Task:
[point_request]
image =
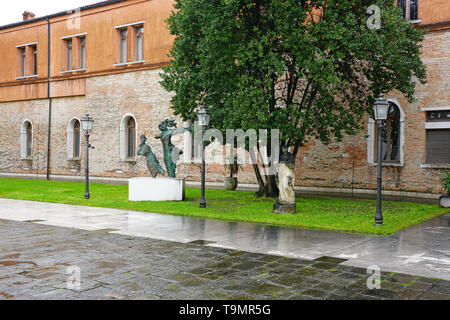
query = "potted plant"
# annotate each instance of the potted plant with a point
(445, 200)
(232, 166)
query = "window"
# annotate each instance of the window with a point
(131, 138)
(69, 54)
(26, 140)
(393, 137)
(123, 45)
(74, 48)
(74, 139)
(130, 44)
(390, 136)
(438, 137)
(27, 61)
(439, 115)
(34, 50)
(410, 9)
(23, 62)
(128, 138)
(29, 140)
(139, 43)
(83, 52)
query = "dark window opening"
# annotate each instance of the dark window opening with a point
(438, 115)
(131, 138)
(34, 50)
(29, 140)
(390, 136)
(76, 139)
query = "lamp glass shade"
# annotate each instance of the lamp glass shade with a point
(204, 117)
(381, 108)
(87, 123)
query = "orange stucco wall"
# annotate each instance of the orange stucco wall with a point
(101, 47)
(434, 11)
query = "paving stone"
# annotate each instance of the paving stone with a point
(116, 267)
(434, 296)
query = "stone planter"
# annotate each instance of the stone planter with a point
(444, 201)
(230, 183)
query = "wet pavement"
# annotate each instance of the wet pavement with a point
(422, 250)
(45, 262)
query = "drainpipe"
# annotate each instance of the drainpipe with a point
(49, 100)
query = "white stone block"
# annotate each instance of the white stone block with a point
(158, 189)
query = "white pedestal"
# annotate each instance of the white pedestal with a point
(158, 189)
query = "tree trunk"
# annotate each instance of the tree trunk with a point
(271, 190)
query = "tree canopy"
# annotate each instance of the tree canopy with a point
(311, 68)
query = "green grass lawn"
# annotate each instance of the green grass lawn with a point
(316, 212)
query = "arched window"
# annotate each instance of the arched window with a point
(131, 138)
(26, 140)
(74, 139)
(393, 137)
(128, 138)
(390, 136)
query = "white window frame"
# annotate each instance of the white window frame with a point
(23, 62)
(83, 42)
(23, 140)
(69, 54)
(124, 141)
(371, 140)
(34, 60)
(139, 43)
(70, 139)
(123, 45)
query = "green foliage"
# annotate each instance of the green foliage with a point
(446, 180)
(309, 68)
(319, 212)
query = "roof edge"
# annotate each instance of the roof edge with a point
(62, 13)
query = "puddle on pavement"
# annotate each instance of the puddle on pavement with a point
(202, 242)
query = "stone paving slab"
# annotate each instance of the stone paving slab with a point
(422, 250)
(34, 261)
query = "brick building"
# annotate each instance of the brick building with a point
(105, 59)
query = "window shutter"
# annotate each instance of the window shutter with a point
(438, 146)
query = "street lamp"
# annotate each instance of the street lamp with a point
(87, 123)
(380, 109)
(203, 118)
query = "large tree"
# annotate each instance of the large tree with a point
(311, 68)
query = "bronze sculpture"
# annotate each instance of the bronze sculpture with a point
(169, 149)
(152, 163)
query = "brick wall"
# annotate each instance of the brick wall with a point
(108, 98)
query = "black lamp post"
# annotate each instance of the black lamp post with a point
(380, 109)
(87, 124)
(203, 118)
